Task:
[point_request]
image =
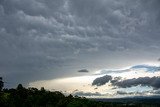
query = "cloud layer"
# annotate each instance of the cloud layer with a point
(42, 39)
(143, 81)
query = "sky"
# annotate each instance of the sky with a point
(89, 48)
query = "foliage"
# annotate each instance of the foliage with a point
(32, 97)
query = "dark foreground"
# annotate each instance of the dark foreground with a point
(32, 97)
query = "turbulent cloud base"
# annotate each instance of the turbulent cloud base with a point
(49, 39)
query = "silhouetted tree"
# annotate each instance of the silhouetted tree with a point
(20, 87)
(1, 84)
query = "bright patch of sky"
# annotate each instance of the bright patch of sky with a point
(73, 85)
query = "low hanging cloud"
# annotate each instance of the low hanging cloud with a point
(127, 83)
(102, 80)
(121, 93)
(132, 93)
(81, 93)
(143, 81)
(83, 70)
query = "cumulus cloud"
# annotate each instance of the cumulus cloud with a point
(116, 79)
(102, 80)
(143, 81)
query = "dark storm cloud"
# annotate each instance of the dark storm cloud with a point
(41, 39)
(143, 81)
(105, 79)
(102, 80)
(83, 70)
(121, 93)
(116, 79)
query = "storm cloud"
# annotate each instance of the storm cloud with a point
(102, 80)
(143, 81)
(46, 39)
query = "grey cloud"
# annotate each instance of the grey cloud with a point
(152, 92)
(108, 71)
(102, 80)
(83, 70)
(29, 41)
(121, 92)
(145, 67)
(116, 79)
(132, 93)
(105, 79)
(144, 81)
(155, 92)
(42, 39)
(38, 38)
(81, 93)
(117, 18)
